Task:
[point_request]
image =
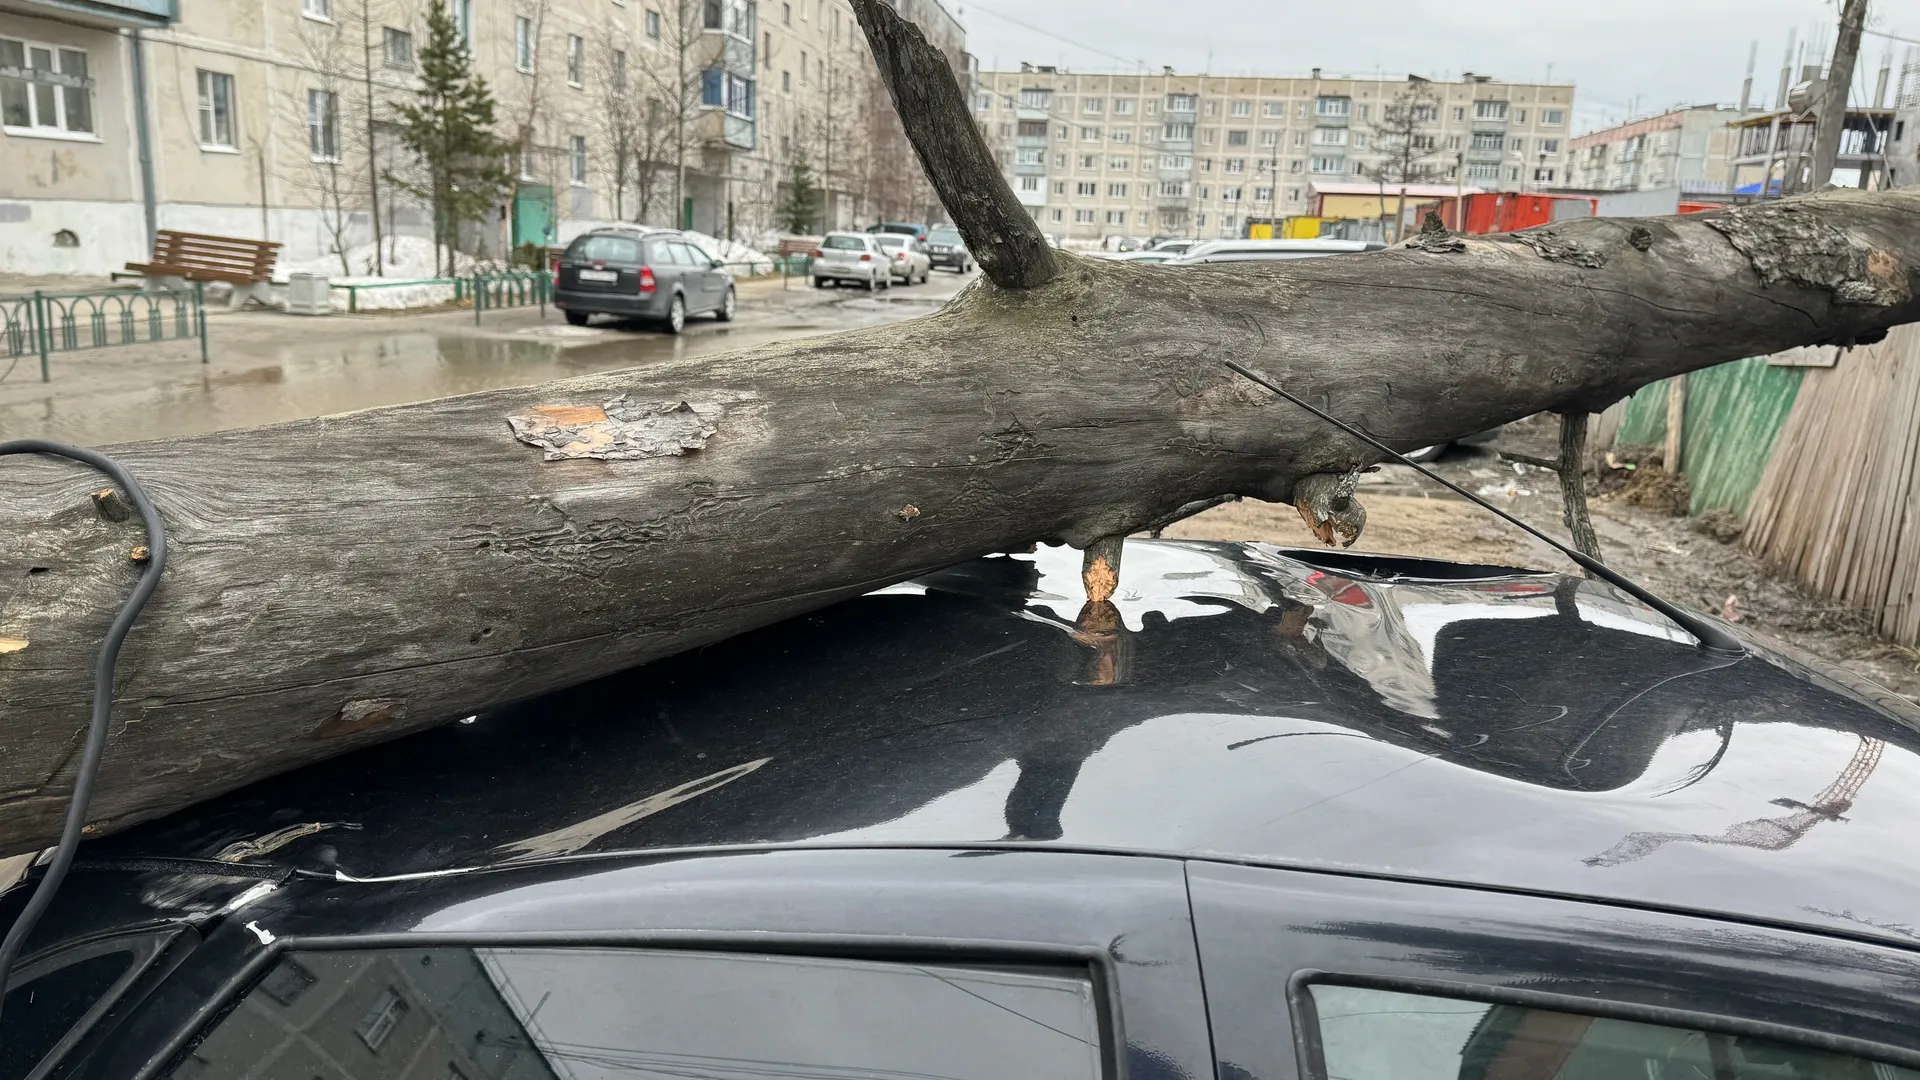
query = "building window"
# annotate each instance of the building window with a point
(1116, 217)
(1329, 136)
(1146, 218)
(1083, 217)
(1236, 138)
(786, 84)
(1119, 164)
(1089, 161)
(1059, 187)
(1552, 117)
(1549, 146)
(1176, 161)
(1235, 164)
(1205, 192)
(1459, 113)
(381, 1019)
(317, 9)
(1177, 133)
(463, 15)
(1200, 221)
(1242, 108)
(1086, 187)
(1483, 172)
(1059, 161)
(1059, 214)
(1093, 106)
(620, 70)
(54, 92)
(1489, 110)
(1453, 142)
(1299, 138)
(1426, 113)
(216, 109)
(1213, 108)
(1089, 134)
(1173, 189)
(1359, 168)
(1263, 194)
(576, 60)
(1328, 165)
(323, 125)
(1273, 108)
(1519, 116)
(1296, 165)
(1030, 184)
(1484, 140)
(526, 163)
(1036, 99)
(1123, 107)
(1030, 155)
(1206, 164)
(1116, 191)
(397, 48)
(1181, 103)
(577, 159)
(522, 43)
(1333, 106)
(786, 14)
(1359, 140)
(1122, 136)
(1543, 176)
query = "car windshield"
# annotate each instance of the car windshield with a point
(844, 243)
(623, 249)
(890, 241)
(945, 236)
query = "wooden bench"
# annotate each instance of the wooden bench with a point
(180, 257)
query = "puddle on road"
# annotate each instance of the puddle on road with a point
(157, 399)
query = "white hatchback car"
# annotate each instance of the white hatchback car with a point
(854, 257)
(911, 260)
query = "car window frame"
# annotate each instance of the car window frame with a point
(156, 949)
(1266, 933)
(1312, 1059)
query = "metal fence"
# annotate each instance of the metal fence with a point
(45, 323)
(520, 288)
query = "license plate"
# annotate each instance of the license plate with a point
(599, 275)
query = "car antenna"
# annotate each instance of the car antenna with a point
(1712, 638)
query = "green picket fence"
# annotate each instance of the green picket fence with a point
(517, 288)
(45, 323)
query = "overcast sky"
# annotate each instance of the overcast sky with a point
(1623, 56)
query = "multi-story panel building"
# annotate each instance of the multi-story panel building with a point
(273, 118)
(1099, 155)
(1685, 148)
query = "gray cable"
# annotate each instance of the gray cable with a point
(97, 726)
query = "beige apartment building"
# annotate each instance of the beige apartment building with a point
(271, 118)
(1685, 148)
(1102, 155)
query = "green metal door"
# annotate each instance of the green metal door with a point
(533, 215)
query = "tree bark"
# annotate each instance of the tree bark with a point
(339, 581)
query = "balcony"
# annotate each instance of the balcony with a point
(1485, 154)
(107, 13)
(1025, 113)
(1489, 123)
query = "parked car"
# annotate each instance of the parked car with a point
(655, 274)
(1150, 257)
(851, 256)
(1277, 813)
(908, 257)
(905, 228)
(1220, 251)
(946, 247)
(1176, 246)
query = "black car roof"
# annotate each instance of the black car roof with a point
(1359, 715)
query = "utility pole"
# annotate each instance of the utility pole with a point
(373, 148)
(1832, 118)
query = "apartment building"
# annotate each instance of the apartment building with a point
(272, 118)
(1094, 155)
(1685, 148)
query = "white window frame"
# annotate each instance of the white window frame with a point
(1030, 184)
(523, 50)
(653, 25)
(59, 84)
(1552, 117)
(1119, 164)
(317, 10)
(323, 127)
(210, 108)
(1123, 107)
(1116, 191)
(577, 160)
(576, 61)
(1116, 217)
(1086, 188)
(1235, 165)
(1083, 217)
(1093, 106)
(1333, 106)
(388, 34)
(1489, 109)
(1241, 108)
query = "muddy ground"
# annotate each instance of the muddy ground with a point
(1677, 557)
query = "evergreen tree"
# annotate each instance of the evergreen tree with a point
(800, 202)
(448, 127)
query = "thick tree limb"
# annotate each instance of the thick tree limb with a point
(939, 122)
(1573, 483)
(340, 581)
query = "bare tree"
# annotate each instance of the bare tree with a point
(1403, 137)
(633, 132)
(673, 72)
(333, 173)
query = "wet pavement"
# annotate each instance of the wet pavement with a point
(267, 367)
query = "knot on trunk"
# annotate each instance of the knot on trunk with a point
(1327, 504)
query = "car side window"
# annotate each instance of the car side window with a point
(1370, 1034)
(600, 1013)
(688, 254)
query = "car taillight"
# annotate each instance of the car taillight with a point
(901, 255)
(818, 254)
(556, 264)
(646, 279)
(866, 258)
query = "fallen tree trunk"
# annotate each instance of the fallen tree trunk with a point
(344, 580)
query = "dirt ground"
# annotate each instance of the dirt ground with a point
(1676, 557)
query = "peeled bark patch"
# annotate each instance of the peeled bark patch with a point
(617, 431)
(1795, 242)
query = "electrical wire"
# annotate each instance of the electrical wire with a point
(97, 725)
